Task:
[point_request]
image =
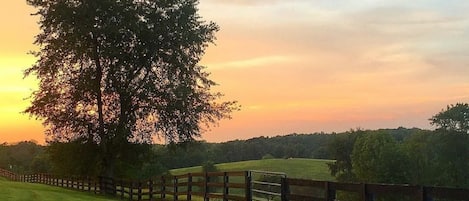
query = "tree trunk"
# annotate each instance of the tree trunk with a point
(107, 163)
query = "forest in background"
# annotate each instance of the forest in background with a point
(437, 157)
(29, 157)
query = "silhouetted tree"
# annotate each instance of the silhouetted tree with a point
(450, 145)
(120, 72)
(455, 118)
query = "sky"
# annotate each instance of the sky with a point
(297, 66)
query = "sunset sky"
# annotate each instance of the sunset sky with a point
(299, 66)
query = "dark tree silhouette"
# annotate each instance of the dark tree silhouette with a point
(119, 72)
(454, 119)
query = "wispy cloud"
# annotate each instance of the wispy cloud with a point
(254, 62)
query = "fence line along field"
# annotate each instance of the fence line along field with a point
(235, 186)
(316, 169)
(187, 187)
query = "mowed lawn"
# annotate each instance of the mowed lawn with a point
(315, 169)
(18, 191)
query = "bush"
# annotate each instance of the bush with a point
(267, 156)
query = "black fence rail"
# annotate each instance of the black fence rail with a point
(300, 189)
(206, 186)
(8, 175)
(209, 185)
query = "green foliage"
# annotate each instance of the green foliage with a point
(267, 156)
(64, 155)
(147, 161)
(439, 159)
(195, 153)
(120, 72)
(450, 151)
(421, 153)
(149, 165)
(377, 158)
(340, 148)
(454, 119)
(41, 163)
(25, 157)
(419, 157)
(209, 166)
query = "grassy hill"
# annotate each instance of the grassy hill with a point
(294, 168)
(16, 191)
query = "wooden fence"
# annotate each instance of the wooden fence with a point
(220, 185)
(210, 185)
(294, 190)
(236, 186)
(8, 175)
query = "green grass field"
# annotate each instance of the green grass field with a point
(294, 168)
(17, 191)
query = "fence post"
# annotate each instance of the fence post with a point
(247, 180)
(226, 191)
(122, 188)
(101, 185)
(74, 180)
(150, 189)
(80, 183)
(89, 183)
(163, 188)
(207, 179)
(95, 185)
(284, 189)
(189, 187)
(366, 196)
(131, 190)
(330, 193)
(139, 191)
(423, 194)
(175, 185)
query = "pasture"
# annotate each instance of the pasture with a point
(19, 191)
(294, 168)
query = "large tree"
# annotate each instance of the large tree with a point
(377, 158)
(114, 72)
(340, 148)
(450, 144)
(454, 119)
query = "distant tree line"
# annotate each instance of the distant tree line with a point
(417, 157)
(59, 158)
(24, 158)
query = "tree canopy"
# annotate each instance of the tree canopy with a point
(455, 118)
(413, 156)
(118, 72)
